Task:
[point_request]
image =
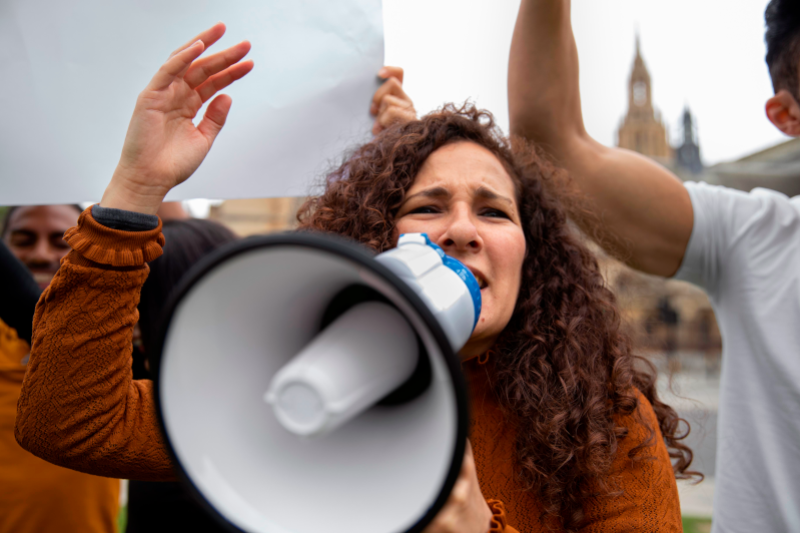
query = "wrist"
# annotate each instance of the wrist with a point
(123, 193)
(488, 518)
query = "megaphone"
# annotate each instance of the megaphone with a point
(304, 385)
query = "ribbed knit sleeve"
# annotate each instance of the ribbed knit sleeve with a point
(499, 524)
(109, 247)
(80, 407)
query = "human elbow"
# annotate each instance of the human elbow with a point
(39, 432)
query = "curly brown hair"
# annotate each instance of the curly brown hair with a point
(562, 368)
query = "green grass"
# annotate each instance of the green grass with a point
(693, 524)
(122, 519)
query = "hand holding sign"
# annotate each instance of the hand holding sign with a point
(390, 103)
(163, 147)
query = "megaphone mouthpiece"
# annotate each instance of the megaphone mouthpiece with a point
(448, 287)
(361, 357)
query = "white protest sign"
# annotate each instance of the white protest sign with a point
(452, 51)
(71, 72)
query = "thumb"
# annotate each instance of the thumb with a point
(214, 118)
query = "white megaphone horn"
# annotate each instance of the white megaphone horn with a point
(301, 380)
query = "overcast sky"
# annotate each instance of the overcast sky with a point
(708, 54)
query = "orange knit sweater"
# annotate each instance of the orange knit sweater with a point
(80, 407)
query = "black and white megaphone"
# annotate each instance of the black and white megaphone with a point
(305, 385)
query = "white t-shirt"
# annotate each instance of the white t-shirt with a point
(745, 252)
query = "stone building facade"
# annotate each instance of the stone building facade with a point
(257, 216)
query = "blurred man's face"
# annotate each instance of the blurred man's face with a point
(35, 235)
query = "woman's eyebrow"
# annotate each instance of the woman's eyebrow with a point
(487, 194)
(433, 192)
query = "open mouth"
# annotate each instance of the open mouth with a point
(479, 277)
(43, 279)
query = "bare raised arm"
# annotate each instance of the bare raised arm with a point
(644, 211)
(163, 147)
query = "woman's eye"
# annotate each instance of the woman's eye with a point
(495, 213)
(22, 241)
(59, 243)
(425, 210)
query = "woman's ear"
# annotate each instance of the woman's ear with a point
(783, 111)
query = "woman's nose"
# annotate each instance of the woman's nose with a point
(42, 253)
(461, 234)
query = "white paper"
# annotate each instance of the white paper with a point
(452, 51)
(71, 71)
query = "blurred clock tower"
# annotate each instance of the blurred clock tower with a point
(642, 129)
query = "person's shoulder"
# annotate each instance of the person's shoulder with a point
(642, 463)
(643, 492)
(703, 192)
(643, 438)
(13, 350)
(758, 220)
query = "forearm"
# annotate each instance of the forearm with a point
(543, 92)
(637, 210)
(79, 406)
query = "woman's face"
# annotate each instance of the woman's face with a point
(465, 201)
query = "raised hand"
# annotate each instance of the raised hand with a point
(466, 511)
(163, 147)
(390, 104)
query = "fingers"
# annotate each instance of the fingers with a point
(175, 65)
(389, 102)
(219, 81)
(209, 37)
(181, 59)
(393, 110)
(215, 117)
(392, 86)
(204, 68)
(391, 72)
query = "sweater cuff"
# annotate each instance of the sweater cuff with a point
(114, 247)
(498, 523)
(124, 220)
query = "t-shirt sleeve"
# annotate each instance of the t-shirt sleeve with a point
(732, 231)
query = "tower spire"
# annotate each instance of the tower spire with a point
(642, 129)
